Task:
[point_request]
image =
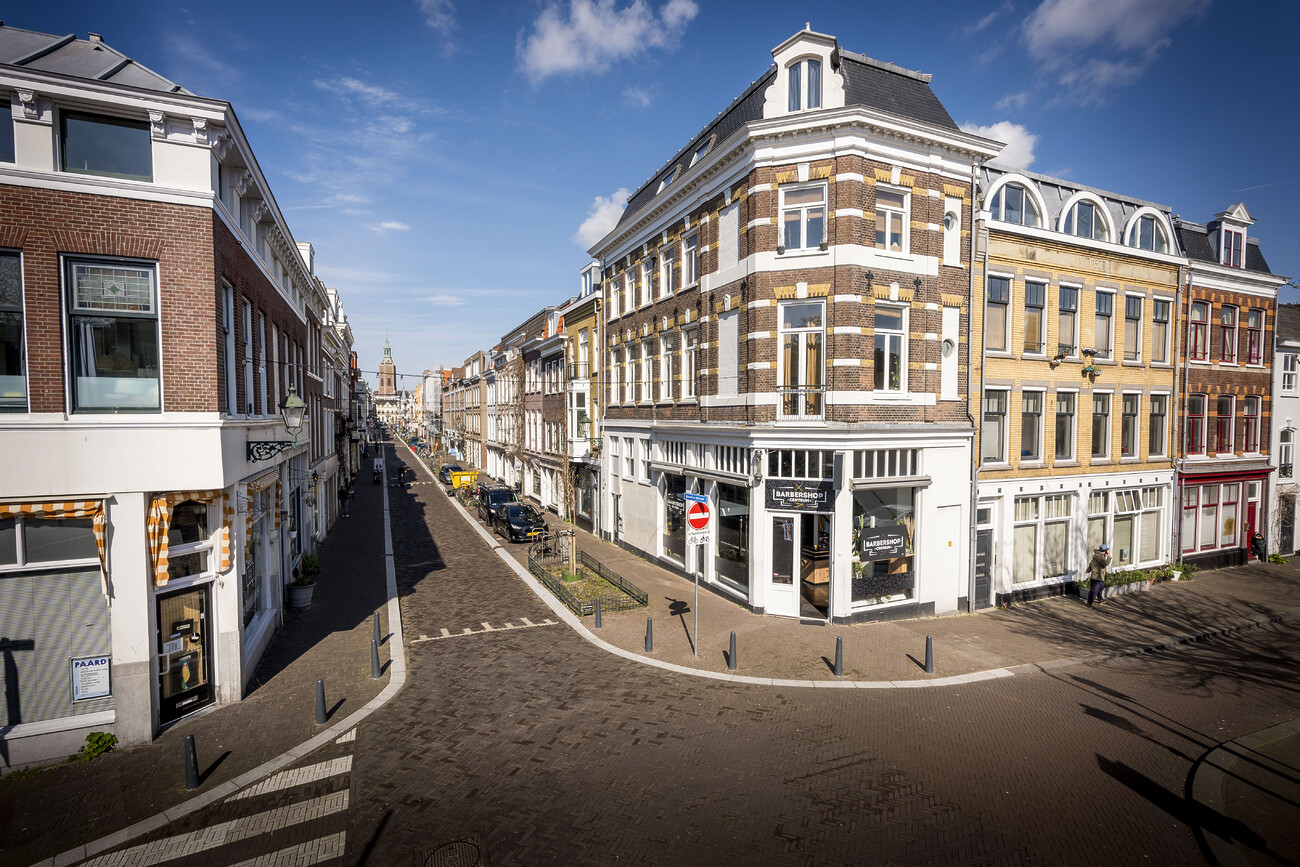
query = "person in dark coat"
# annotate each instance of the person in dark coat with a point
(343, 500)
(1097, 567)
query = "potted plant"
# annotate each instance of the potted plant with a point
(304, 581)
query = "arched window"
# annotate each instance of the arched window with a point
(1146, 233)
(1084, 219)
(805, 84)
(1013, 204)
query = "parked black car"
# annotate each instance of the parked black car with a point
(519, 522)
(447, 470)
(491, 498)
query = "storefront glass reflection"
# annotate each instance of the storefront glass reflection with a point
(675, 517)
(732, 556)
(884, 526)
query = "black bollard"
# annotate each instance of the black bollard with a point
(379, 639)
(929, 655)
(649, 635)
(731, 657)
(191, 764)
(320, 702)
(839, 656)
(597, 612)
(374, 658)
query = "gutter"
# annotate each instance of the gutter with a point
(972, 541)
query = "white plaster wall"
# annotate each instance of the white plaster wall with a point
(182, 166)
(131, 620)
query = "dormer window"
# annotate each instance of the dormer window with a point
(809, 73)
(1084, 221)
(702, 150)
(669, 178)
(1232, 241)
(1147, 234)
(1012, 204)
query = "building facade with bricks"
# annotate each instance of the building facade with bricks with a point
(156, 313)
(786, 311)
(1229, 308)
(1284, 416)
(1074, 370)
(582, 323)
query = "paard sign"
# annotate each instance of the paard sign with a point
(790, 496)
(880, 543)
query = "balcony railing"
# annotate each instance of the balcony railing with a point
(1284, 471)
(579, 370)
(802, 402)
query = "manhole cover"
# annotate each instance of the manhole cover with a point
(457, 853)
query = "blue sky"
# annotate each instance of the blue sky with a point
(449, 160)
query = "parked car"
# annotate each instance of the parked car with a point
(491, 498)
(519, 522)
(447, 470)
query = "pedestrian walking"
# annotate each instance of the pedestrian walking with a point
(343, 500)
(1097, 567)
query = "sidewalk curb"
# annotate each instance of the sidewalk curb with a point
(955, 680)
(396, 680)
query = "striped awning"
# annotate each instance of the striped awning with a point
(158, 524)
(264, 481)
(93, 509)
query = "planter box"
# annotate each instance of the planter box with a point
(300, 595)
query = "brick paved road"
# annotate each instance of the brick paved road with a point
(548, 750)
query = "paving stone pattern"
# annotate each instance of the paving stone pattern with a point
(552, 751)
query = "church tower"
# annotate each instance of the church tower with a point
(387, 373)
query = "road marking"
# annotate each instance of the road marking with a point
(314, 852)
(347, 738)
(487, 627)
(297, 777)
(270, 822)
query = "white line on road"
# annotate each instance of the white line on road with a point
(297, 777)
(185, 845)
(487, 627)
(314, 852)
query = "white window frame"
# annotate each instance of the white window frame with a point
(892, 213)
(1005, 348)
(647, 272)
(1232, 255)
(1136, 417)
(1106, 429)
(1160, 349)
(1134, 353)
(1218, 424)
(647, 371)
(1041, 336)
(1029, 205)
(805, 385)
(802, 93)
(629, 370)
(690, 345)
(1110, 325)
(1073, 343)
(690, 259)
(1041, 396)
(1290, 372)
(666, 367)
(1235, 343)
(1072, 433)
(666, 287)
(1001, 457)
(899, 334)
(803, 211)
(1164, 426)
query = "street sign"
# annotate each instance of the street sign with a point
(698, 519)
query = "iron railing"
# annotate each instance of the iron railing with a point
(550, 555)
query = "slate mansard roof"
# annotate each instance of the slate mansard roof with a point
(1194, 238)
(90, 59)
(867, 82)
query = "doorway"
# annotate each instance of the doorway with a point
(983, 557)
(801, 566)
(184, 653)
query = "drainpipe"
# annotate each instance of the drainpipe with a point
(975, 444)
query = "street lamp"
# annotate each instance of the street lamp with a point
(292, 410)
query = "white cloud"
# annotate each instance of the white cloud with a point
(637, 97)
(1019, 150)
(390, 226)
(1013, 100)
(440, 15)
(356, 87)
(446, 300)
(602, 217)
(981, 23)
(595, 34)
(1097, 46)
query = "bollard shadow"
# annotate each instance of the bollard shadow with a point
(919, 663)
(830, 664)
(211, 769)
(329, 714)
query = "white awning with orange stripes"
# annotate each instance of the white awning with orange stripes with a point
(159, 521)
(93, 509)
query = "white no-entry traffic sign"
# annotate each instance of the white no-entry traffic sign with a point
(698, 519)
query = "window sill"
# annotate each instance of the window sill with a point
(1134, 363)
(1228, 364)
(1066, 463)
(802, 253)
(1132, 459)
(900, 255)
(1032, 465)
(1102, 462)
(995, 465)
(998, 353)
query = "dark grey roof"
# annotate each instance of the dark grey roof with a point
(1194, 238)
(888, 88)
(1287, 326)
(743, 109)
(89, 58)
(867, 82)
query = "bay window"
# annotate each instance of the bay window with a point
(113, 324)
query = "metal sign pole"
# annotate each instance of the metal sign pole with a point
(697, 538)
(695, 642)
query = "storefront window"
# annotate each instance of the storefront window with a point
(884, 526)
(254, 578)
(731, 559)
(675, 517)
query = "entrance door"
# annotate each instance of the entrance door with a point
(983, 567)
(184, 653)
(783, 592)
(1250, 531)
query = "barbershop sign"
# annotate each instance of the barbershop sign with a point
(787, 496)
(879, 543)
